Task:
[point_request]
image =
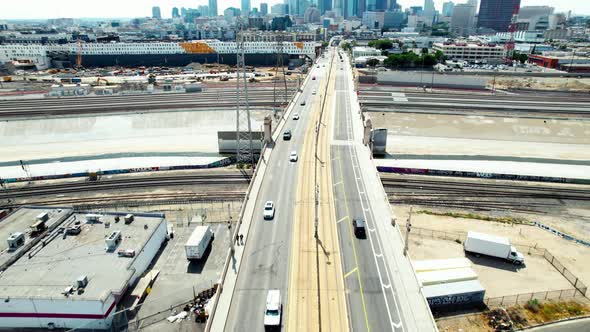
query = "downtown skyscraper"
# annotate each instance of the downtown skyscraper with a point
(497, 14)
(246, 7)
(212, 8)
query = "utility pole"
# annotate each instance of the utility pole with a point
(408, 229)
(245, 149)
(494, 85)
(279, 68)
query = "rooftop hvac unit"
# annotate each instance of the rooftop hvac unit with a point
(73, 230)
(126, 253)
(93, 217)
(38, 226)
(82, 281)
(113, 240)
(128, 219)
(44, 216)
(68, 290)
(15, 240)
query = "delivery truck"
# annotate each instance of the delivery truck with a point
(198, 242)
(494, 246)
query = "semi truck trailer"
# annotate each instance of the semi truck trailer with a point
(198, 242)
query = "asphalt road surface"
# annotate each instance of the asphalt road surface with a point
(370, 293)
(265, 262)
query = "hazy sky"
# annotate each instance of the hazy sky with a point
(34, 9)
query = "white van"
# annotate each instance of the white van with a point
(272, 314)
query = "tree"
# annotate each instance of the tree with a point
(520, 57)
(440, 56)
(429, 60)
(381, 44)
(372, 62)
(345, 46)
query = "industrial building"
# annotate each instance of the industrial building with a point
(561, 61)
(488, 53)
(74, 271)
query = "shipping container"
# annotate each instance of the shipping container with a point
(441, 264)
(464, 293)
(446, 276)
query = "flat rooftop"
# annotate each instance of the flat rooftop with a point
(21, 220)
(46, 271)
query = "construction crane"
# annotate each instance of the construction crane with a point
(509, 46)
(79, 55)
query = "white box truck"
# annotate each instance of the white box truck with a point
(491, 245)
(198, 242)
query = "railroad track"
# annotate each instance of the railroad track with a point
(134, 200)
(477, 194)
(134, 103)
(488, 189)
(125, 183)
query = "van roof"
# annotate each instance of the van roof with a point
(273, 299)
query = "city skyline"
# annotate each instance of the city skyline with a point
(139, 8)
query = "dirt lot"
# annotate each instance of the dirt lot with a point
(543, 83)
(538, 275)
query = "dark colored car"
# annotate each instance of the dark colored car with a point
(287, 135)
(359, 228)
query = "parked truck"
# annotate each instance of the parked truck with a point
(491, 245)
(198, 242)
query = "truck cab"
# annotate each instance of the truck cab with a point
(515, 256)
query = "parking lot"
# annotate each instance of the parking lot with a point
(179, 280)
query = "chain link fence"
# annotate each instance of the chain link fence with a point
(526, 297)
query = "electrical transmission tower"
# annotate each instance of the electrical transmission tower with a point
(245, 150)
(280, 67)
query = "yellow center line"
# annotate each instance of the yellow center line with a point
(358, 271)
(350, 272)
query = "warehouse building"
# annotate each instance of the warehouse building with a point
(76, 273)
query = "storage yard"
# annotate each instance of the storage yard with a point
(441, 236)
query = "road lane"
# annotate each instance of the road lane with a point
(267, 250)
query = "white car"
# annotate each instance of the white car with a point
(296, 116)
(313, 92)
(272, 312)
(269, 210)
(293, 156)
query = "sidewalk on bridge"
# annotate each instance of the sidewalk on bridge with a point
(413, 305)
